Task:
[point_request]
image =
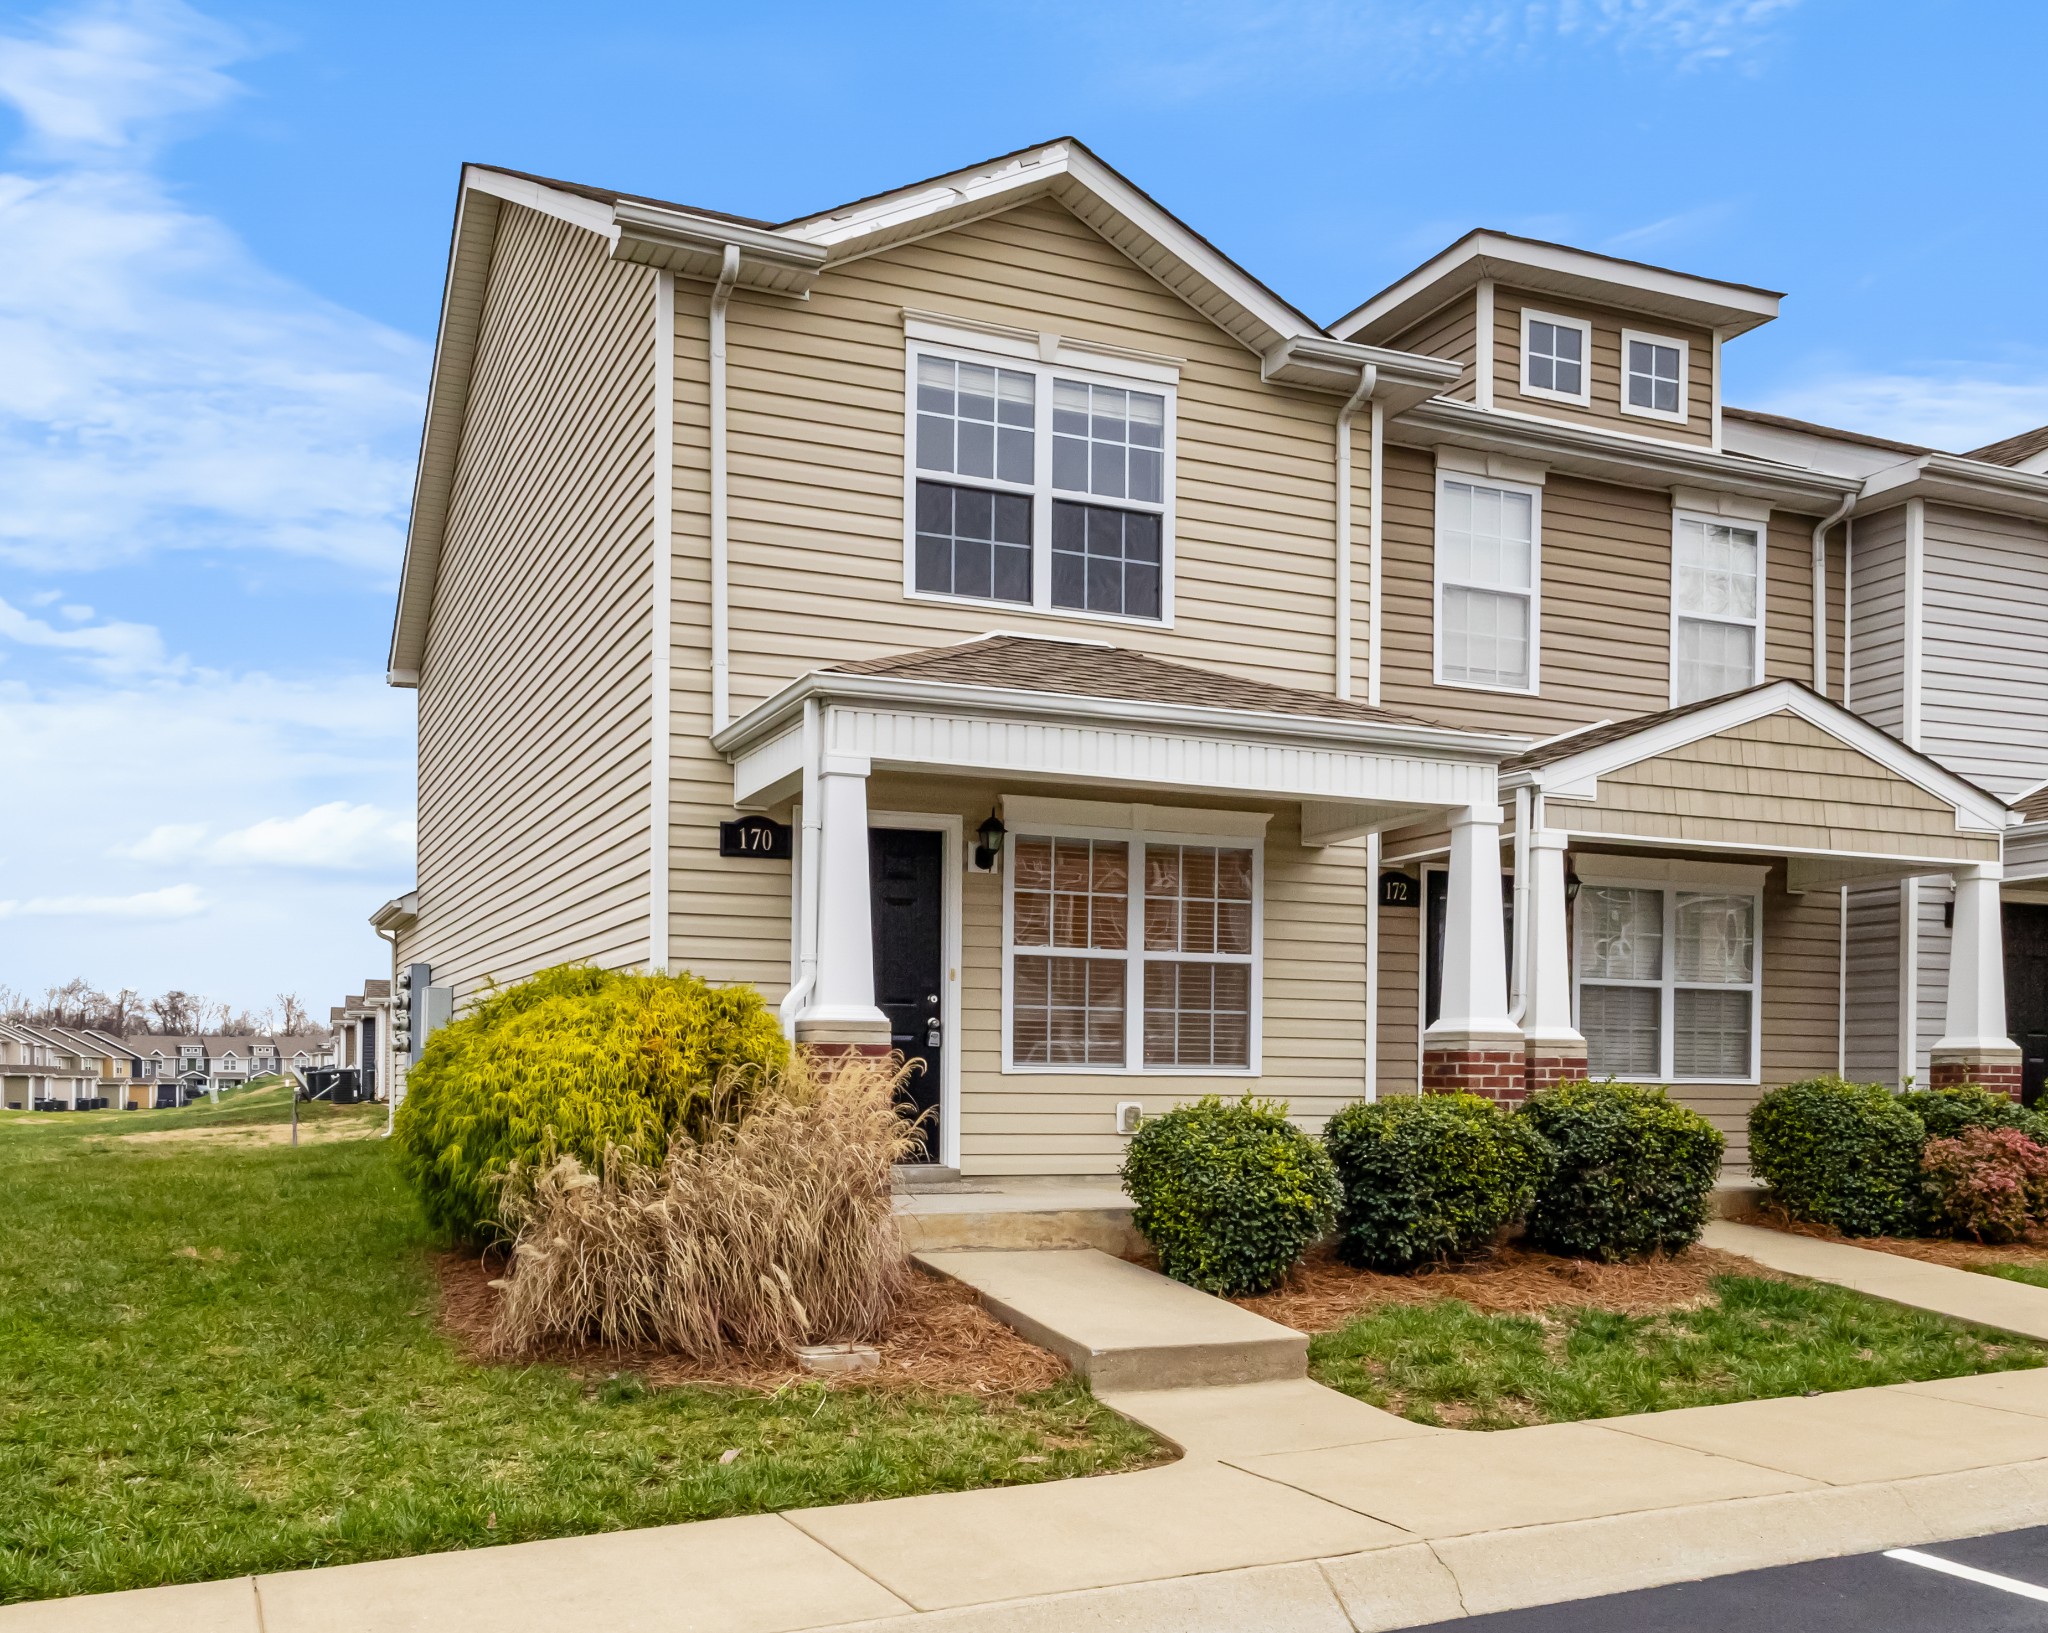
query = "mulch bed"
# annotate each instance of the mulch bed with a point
(1958, 1255)
(941, 1339)
(1322, 1293)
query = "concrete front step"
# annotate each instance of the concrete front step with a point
(1020, 1213)
(1121, 1326)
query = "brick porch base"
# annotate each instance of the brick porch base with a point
(1497, 1073)
(1998, 1073)
(1546, 1070)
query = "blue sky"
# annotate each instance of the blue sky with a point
(223, 229)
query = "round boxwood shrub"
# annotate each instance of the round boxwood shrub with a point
(1228, 1193)
(1628, 1173)
(1841, 1154)
(1428, 1176)
(571, 1062)
(1947, 1112)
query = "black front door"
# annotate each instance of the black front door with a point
(2026, 993)
(907, 867)
(1436, 912)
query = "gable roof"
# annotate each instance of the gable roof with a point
(2013, 450)
(786, 259)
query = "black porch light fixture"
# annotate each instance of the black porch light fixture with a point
(1571, 883)
(988, 842)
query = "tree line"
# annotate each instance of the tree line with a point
(175, 1013)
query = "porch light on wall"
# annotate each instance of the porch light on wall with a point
(1571, 884)
(988, 843)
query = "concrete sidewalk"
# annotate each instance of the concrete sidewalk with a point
(1293, 1508)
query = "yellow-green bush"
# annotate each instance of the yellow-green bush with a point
(569, 1063)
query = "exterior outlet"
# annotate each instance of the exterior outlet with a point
(1129, 1114)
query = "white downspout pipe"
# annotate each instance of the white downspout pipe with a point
(809, 848)
(721, 614)
(1368, 381)
(1372, 696)
(1820, 597)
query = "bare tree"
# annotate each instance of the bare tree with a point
(178, 1013)
(290, 1017)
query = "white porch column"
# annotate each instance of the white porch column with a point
(1556, 1051)
(1974, 1047)
(1472, 1044)
(842, 1011)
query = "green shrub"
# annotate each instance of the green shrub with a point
(1228, 1194)
(1947, 1112)
(569, 1063)
(1428, 1176)
(1841, 1154)
(1629, 1171)
(1989, 1184)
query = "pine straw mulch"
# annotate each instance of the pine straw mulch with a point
(941, 1339)
(1957, 1254)
(1322, 1293)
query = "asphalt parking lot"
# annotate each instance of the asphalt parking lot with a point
(1861, 1592)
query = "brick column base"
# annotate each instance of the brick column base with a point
(1547, 1069)
(1998, 1073)
(1497, 1073)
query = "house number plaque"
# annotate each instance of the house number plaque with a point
(757, 836)
(1399, 890)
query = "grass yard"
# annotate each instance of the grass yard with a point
(2034, 1274)
(219, 1355)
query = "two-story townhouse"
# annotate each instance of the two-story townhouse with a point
(116, 1066)
(992, 622)
(43, 1072)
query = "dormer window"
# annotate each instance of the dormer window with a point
(1556, 357)
(1653, 376)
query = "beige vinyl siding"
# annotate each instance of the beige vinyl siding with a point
(533, 694)
(1779, 783)
(1984, 698)
(1788, 598)
(1838, 609)
(1931, 955)
(1603, 412)
(817, 428)
(1400, 998)
(1451, 331)
(1313, 1017)
(1874, 940)
(1877, 620)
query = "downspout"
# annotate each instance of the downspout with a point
(1820, 596)
(807, 877)
(721, 617)
(1372, 696)
(663, 616)
(1368, 381)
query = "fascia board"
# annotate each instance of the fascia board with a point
(694, 245)
(1318, 363)
(573, 208)
(1573, 776)
(772, 716)
(1952, 480)
(1559, 269)
(1609, 456)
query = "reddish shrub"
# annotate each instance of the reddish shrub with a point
(1987, 1183)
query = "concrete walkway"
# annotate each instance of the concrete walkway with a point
(1292, 1508)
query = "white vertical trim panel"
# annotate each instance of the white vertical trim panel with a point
(662, 623)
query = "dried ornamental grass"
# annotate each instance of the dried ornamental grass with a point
(768, 1230)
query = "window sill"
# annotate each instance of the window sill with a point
(1536, 394)
(990, 604)
(1654, 414)
(1241, 1073)
(1480, 686)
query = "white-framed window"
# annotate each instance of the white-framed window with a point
(1557, 357)
(1488, 577)
(1039, 485)
(1653, 376)
(1131, 951)
(1717, 606)
(1667, 981)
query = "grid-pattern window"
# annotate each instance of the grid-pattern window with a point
(1655, 376)
(1066, 1008)
(1108, 442)
(1105, 560)
(1554, 357)
(973, 542)
(1486, 585)
(1716, 602)
(974, 420)
(1667, 982)
(1198, 901)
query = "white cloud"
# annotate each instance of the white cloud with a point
(113, 648)
(1955, 407)
(171, 902)
(100, 77)
(336, 835)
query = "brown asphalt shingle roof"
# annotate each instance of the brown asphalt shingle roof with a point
(1790, 424)
(2035, 806)
(1611, 731)
(2013, 449)
(1075, 669)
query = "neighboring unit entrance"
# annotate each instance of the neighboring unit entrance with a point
(907, 869)
(2026, 993)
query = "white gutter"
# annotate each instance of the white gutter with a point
(1372, 560)
(721, 614)
(661, 654)
(808, 852)
(1820, 599)
(1368, 379)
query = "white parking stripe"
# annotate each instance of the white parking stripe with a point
(1969, 1573)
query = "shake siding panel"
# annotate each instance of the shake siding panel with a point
(1603, 412)
(533, 692)
(1877, 620)
(1984, 703)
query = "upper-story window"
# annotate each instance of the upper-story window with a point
(1042, 486)
(1487, 600)
(1716, 608)
(1556, 357)
(1653, 370)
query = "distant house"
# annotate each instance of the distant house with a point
(362, 1034)
(178, 1068)
(40, 1072)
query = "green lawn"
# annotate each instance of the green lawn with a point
(2034, 1275)
(218, 1359)
(1448, 1363)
